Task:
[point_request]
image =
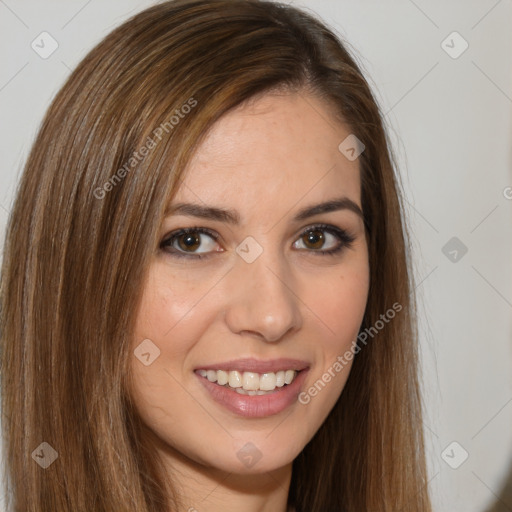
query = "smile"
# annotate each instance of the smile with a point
(253, 388)
(250, 383)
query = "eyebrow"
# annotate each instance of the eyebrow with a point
(233, 217)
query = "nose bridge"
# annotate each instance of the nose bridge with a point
(262, 301)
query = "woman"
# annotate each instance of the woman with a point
(206, 295)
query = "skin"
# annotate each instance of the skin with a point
(267, 160)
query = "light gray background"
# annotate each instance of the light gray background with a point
(450, 123)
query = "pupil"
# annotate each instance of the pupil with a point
(315, 238)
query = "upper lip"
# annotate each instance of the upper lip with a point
(257, 365)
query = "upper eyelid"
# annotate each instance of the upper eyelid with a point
(194, 229)
(215, 234)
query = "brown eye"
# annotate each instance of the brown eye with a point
(189, 241)
(324, 239)
(314, 239)
(193, 242)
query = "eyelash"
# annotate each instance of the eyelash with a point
(345, 238)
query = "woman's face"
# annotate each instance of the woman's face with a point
(247, 299)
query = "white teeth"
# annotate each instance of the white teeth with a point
(250, 383)
(289, 376)
(268, 381)
(235, 379)
(222, 377)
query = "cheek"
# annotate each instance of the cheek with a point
(169, 323)
(340, 305)
(170, 311)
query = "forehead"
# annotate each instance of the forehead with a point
(277, 149)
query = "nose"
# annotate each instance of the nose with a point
(262, 301)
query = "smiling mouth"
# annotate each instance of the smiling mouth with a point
(250, 383)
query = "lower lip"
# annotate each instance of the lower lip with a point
(257, 406)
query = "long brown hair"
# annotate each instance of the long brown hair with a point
(84, 228)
